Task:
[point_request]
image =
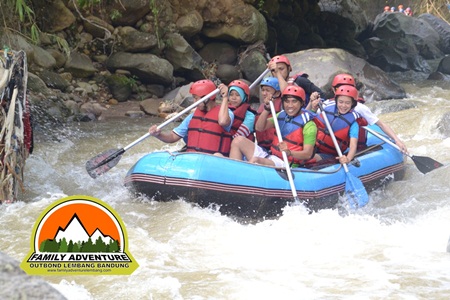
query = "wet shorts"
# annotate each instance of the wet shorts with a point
(261, 152)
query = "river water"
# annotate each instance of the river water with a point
(394, 248)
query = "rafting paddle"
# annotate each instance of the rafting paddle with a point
(103, 162)
(354, 189)
(423, 163)
(285, 158)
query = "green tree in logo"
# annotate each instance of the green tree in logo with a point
(63, 246)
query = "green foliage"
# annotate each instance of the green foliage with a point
(62, 44)
(23, 18)
(260, 4)
(115, 14)
(155, 11)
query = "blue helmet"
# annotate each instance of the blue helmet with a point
(272, 82)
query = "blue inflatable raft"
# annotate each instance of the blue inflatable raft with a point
(245, 190)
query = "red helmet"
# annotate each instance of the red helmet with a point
(282, 59)
(295, 91)
(341, 79)
(386, 8)
(347, 90)
(202, 88)
(243, 86)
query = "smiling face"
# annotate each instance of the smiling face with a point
(292, 105)
(344, 104)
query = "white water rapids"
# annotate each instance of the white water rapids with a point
(394, 248)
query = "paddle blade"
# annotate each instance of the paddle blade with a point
(103, 162)
(355, 191)
(425, 164)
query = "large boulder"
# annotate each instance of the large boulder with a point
(18, 285)
(348, 9)
(401, 43)
(80, 65)
(441, 27)
(130, 11)
(56, 16)
(132, 40)
(323, 64)
(181, 54)
(148, 68)
(237, 21)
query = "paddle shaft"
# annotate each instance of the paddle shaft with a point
(378, 135)
(285, 158)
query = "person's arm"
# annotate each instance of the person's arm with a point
(354, 132)
(309, 86)
(390, 132)
(227, 127)
(272, 66)
(224, 118)
(172, 136)
(345, 159)
(165, 136)
(313, 104)
(263, 122)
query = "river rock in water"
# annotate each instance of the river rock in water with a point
(18, 285)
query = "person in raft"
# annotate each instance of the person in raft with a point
(344, 123)
(235, 97)
(204, 131)
(362, 109)
(297, 130)
(270, 90)
(280, 67)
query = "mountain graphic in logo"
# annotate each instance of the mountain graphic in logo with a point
(79, 227)
(75, 232)
(79, 235)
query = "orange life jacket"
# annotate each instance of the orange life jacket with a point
(206, 135)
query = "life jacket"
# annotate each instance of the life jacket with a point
(362, 136)
(239, 117)
(341, 127)
(206, 135)
(291, 129)
(265, 137)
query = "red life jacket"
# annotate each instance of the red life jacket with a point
(292, 132)
(206, 135)
(362, 136)
(341, 127)
(239, 117)
(265, 137)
